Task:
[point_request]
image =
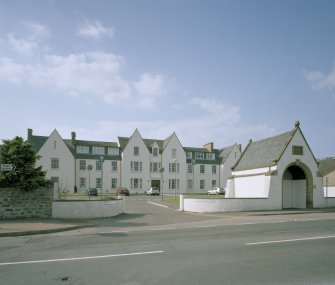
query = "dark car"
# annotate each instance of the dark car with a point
(122, 191)
(92, 192)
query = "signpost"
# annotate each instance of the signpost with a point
(7, 167)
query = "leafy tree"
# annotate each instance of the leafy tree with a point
(26, 175)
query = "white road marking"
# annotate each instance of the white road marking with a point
(156, 204)
(289, 240)
(162, 229)
(208, 226)
(81, 258)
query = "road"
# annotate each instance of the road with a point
(152, 244)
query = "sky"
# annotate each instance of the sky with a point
(210, 70)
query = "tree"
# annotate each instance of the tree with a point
(26, 175)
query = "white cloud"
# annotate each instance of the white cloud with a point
(223, 111)
(319, 80)
(94, 29)
(149, 88)
(36, 30)
(95, 74)
(31, 42)
(89, 74)
(22, 46)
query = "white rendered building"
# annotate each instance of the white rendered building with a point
(134, 163)
(281, 169)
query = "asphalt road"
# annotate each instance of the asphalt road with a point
(155, 245)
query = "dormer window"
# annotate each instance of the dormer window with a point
(155, 151)
(83, 149)
(210, 156)
(98, 150)
(199, 155)
(113, 151)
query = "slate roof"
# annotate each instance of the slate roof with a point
(123, 141)
(225, 152)
(220, 154)
(326, 166)
(37, 142)
(264, 152)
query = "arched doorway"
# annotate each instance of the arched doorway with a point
(297, 187)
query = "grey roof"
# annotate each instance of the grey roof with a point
(264, 152)
(326, 166)
(95, 143)
(37, 142)
(123, 141)
(225, 152)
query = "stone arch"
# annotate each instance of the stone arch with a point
(297, 186)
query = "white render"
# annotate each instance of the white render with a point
(86, 209)
(179, 158)
(269, 182)
(128, 157)
(166, 167)
(55, 147)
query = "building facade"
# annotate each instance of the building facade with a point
(281, 169)
(133, 162)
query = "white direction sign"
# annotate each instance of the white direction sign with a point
(7, 167)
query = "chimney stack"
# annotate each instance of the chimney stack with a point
(73, 138)
(30, 134)
(209, 146)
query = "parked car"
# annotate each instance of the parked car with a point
(216, 191)
(122, 191)
(153, 191)
(92, 192)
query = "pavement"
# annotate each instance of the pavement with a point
(24, 227)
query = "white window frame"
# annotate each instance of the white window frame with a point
(113, 151)
(199, 155)
(82, 149)
(136, 166)
(98, 165)
(54, 163)
(98, 150)
(82, 164)
(114, 165)
(114, 183)
(82, 182)
(98, 183)
(189, 168)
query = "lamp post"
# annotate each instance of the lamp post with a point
(89, 168)
(193, 163)
(161, 171)
(102, 159)
(175, 177)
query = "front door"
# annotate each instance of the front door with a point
(156, 183)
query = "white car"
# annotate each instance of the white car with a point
(216, 191)
(153, 191)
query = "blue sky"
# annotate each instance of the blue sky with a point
(220, 71)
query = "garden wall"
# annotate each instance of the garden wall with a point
(15, 203)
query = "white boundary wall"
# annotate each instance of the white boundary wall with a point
(87, 209)
(226, 205)
(234, 204)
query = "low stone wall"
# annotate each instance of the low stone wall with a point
(15, 203)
